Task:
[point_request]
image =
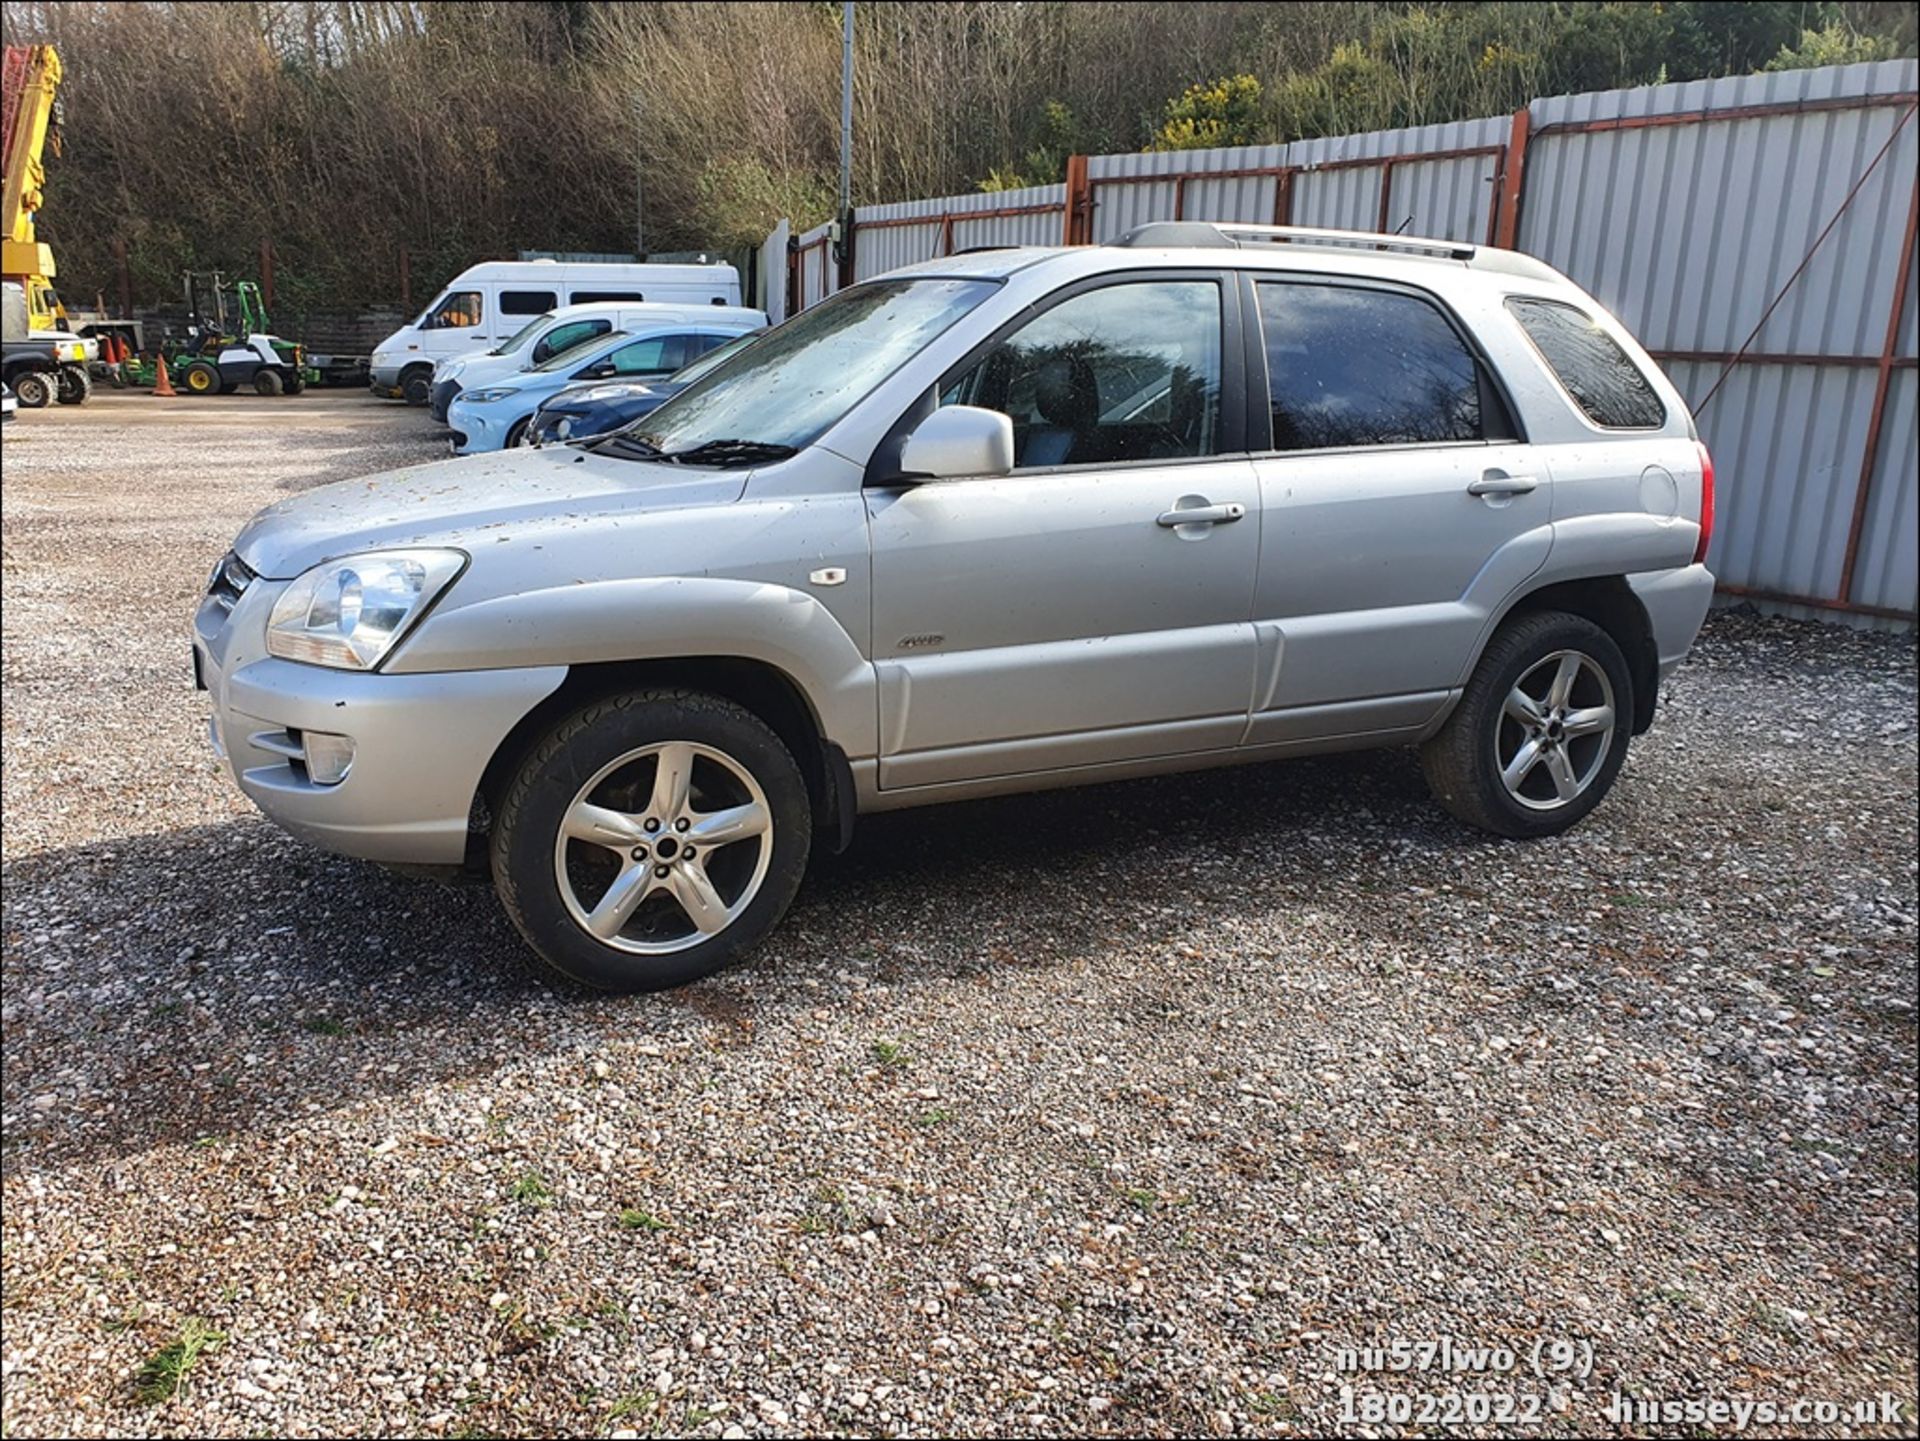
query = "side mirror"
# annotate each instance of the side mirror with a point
(596, 372)
(958, 442)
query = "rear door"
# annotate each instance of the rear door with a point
(1399, 503)
(1064, 615)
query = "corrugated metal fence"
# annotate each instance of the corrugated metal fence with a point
(1756, 233)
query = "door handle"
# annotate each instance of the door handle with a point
(1492, 484)
(1203, 515)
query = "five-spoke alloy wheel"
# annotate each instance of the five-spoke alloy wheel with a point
(1540, 731)
(650, 838)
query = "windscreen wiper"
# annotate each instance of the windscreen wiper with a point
(620, 442)
(732, 452)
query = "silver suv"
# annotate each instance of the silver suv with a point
(991, 523)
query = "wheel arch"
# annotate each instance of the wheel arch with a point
(755, 685)
(1609, 602)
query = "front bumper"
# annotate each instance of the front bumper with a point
(442, 396)
(480, 428)
(421, 742)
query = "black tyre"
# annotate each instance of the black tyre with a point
(268, 382)
(416, 385)
(296, 383)
(1541, 731)
(651, 838)
(517, 433)
(33, 389)
(76, 385)
(200, 377)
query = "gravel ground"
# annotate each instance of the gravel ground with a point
(1115, 1110)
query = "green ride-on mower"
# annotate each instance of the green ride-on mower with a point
(216, 358)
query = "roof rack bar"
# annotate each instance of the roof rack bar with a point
(1207, 233)
(1299, 235)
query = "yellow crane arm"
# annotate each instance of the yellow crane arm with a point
(32, 84)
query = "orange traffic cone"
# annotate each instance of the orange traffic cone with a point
(161, 385)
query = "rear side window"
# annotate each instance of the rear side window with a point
(525, 302)
(588, 297)
(1596, 372)
(565, 337)
(656, 355)
(1348, 366)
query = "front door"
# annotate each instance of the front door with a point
(1094, 605)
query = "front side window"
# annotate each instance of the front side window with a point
(1351, 366)
(521, 336)
(457, 310)
(1126, 372)
(563, 338)
(526, 302)
(577, 355)
(656, 355)
(1590, 364)
(798, 380)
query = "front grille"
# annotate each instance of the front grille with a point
(230, 579)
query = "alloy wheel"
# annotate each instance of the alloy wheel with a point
(663, 848)
(1555, 730)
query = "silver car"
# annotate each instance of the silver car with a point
(991, 523)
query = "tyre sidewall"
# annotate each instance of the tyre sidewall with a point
(34, 390)
(1564, 632)
(550, 778)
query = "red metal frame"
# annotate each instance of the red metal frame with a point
(1888, 360)
(1738, 112)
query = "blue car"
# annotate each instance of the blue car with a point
(499, 415)
(603, 405)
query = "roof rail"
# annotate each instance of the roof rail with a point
(1204, 234)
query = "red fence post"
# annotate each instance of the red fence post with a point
(1877, 417)
(1283, 197)
(1078, 228)
(1513, 169)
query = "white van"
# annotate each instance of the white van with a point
(546, 336)
(488, 303)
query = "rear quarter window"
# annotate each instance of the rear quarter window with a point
(1603, 381)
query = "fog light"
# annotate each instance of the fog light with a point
(329, 757)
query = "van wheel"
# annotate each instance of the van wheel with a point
(33, 390)
(1540, 733)
(416, 386)
(650, 839)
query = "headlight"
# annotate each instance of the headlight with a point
(349, 613)
(481, 397)
(447, 369)
(564, 428)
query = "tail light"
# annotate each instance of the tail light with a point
(1706, 503)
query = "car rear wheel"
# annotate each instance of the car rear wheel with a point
(650, 839)
(1541, 731)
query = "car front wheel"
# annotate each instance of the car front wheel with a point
(1540, 732)
(650, 839)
